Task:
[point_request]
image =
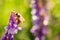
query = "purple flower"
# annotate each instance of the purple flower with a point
(39, 20)
(12, 28)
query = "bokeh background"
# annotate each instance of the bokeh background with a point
(22, 7)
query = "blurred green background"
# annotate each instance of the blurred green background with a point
(22, 7)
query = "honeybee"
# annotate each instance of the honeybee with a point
(19, 18)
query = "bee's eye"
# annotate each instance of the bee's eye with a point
(16, 13)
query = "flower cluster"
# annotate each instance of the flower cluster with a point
(12, 27)
(39, 20)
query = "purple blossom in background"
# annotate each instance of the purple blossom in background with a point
(12, 28)
(39, 20)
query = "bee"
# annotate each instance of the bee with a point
(19, 18)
